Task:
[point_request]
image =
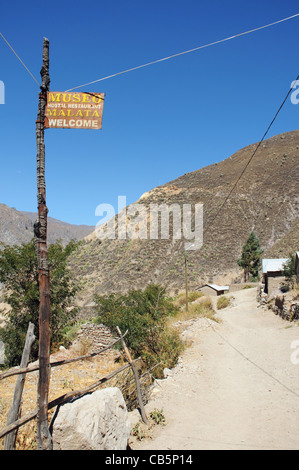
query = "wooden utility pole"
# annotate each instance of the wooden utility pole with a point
(186, 283)
(44, 441)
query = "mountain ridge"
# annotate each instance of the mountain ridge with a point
(265, 200)
(16, 227)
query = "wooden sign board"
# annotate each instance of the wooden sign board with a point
(65, 110)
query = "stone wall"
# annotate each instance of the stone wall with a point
(294, 311)
(286, 310)
(99, 336)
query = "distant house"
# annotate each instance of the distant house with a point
(273, 273)
(213, 289)
(297, 266)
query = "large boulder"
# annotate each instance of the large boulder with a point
(98, 421)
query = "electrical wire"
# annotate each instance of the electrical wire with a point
(184, 52)
(252, 156)
(19, 59)
(252, 362)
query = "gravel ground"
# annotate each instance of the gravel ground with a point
(234, 388)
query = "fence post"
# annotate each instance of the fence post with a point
(15, 410)
(139, 395)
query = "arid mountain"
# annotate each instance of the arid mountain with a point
(287, 245)
(265, 200)
(17, 227)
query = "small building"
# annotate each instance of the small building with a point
(213, 289)
(273, 273)
(297, 266)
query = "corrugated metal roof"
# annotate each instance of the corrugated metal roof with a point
(273, 265)
(218, 288)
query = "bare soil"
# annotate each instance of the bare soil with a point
(234, 388)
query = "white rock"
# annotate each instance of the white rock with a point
(98, 421)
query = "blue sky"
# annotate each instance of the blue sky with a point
(159, 122)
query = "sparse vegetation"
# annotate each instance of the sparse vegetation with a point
(223, 302)
(193, 295)
(181, 298)
(157, 416)
(138, 431)
(202, 308)
(296, 292)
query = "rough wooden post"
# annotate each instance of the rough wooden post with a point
(186, 285)
(139, 395)
(44, 441)
(15, 411)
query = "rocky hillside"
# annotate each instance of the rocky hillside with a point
(17, 227)
(286, 245)
(265, 200)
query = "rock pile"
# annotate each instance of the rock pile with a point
(261, 296)
(286, 310)
(98, 336)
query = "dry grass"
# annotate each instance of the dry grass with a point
(192, 296)
(295, 292)
(223, 302)
(202, 307)
(64, 379)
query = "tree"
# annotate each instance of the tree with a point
(250, 260)
(19, 275)
(289, 270)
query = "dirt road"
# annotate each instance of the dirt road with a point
(235, 387)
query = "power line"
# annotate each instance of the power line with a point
(252, 362)
(19, 58)
(184, 52)
(253, 154)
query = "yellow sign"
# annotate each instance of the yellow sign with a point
(67, 110)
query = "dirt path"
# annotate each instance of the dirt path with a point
(235, 387)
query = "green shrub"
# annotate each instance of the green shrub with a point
(143, 314)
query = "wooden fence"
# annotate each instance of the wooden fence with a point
(15, 420)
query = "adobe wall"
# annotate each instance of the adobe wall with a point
(208, 291)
